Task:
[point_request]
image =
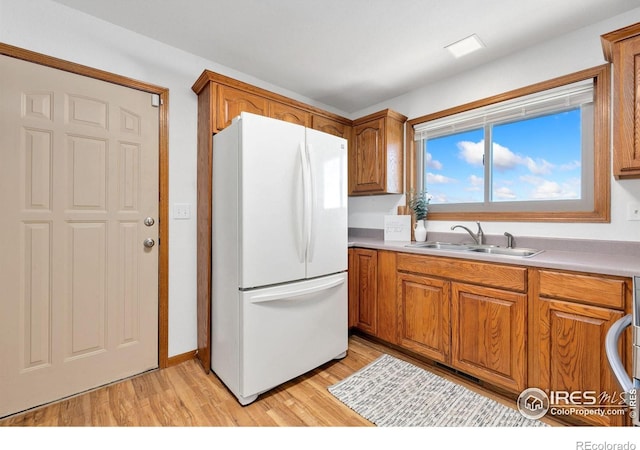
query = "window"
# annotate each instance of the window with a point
(539, 153)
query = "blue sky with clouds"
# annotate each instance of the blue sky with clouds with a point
(534, 159)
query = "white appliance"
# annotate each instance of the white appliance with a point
(279, 246)
(630, 385)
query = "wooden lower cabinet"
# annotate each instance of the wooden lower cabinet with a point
(478, 330)
(387, 301)
(363, 275)
(446, 314)
(571, 343)
(424, 324)
(510, 326)
(372, 293)
(567, 350)
(488, 334)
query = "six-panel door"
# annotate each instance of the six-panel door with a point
(79, 301)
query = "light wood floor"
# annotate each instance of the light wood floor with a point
(183, 395)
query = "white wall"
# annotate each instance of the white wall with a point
(47, 27)
(52, 29)
(567, 54)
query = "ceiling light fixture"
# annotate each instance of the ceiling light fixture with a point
(465, 46)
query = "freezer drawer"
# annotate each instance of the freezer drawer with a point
(290, 329)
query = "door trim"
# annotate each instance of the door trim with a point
(163, 149)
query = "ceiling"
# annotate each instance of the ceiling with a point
(349, 54)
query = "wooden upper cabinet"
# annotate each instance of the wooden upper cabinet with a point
(369, 159)
(330, 126)
(376, 154)
(289, 113)
(622, 48)
(221, 98)
(231, 102)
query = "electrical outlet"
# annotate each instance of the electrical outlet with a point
(181, 211)
(633, 211)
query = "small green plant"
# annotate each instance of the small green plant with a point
(419, 204)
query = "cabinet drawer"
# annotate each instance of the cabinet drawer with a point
(595, 290)
(507, 277)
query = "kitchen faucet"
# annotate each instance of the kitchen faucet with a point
(509, 239)
(477, 237)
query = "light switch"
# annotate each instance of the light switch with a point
(633, 211)
(181, 211)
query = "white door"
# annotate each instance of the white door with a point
(327, 251)
(79, 171)
(271, 190)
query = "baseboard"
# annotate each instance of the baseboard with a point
(177, 359)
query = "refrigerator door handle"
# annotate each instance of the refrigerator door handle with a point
(611, 347)
(306, 226)
(284, 295)
(308, 192)
(312, 206)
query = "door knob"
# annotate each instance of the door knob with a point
(149, 221)
(148, 242)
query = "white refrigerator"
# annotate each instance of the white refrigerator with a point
(279, 253)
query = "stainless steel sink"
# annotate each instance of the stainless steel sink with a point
(488, 249)
(521, 252)
(440, 245)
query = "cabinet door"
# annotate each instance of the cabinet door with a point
(353, 289)
(569, 346)
(626, 139)
(367, 159)
(387, 298)
(231, 102)
(365, 264)
(423, 317)
(326, 125)
(488, 333)
(289, 113)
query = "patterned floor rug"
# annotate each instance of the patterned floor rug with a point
(391, 392)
